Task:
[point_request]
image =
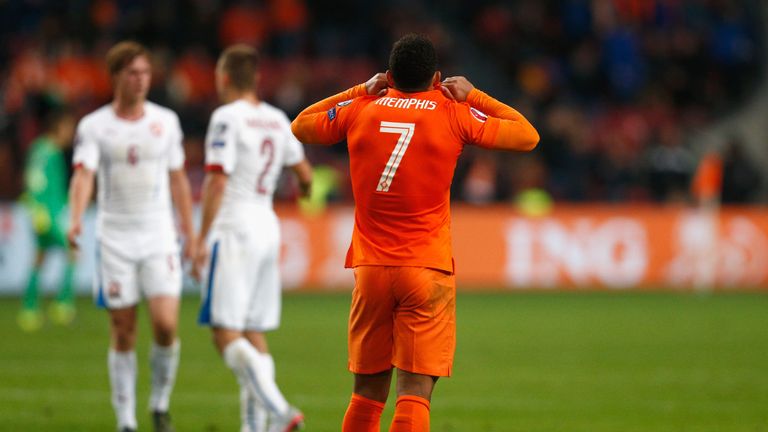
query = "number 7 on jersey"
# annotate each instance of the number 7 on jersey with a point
(406, 133)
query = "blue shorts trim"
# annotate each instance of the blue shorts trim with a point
(204, 318)
(100, 301)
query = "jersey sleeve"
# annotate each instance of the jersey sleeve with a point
(488, 123)
(220, 143)
(176, 145)
(86, 149)
(326, 122)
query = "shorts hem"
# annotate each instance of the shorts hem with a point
(368, 371)
(449, 270)
(163, 294)
(109, 307)
(260, 329)
(437, 372)
(240, 328)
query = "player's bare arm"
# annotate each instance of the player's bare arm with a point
(182, 198)
(80, 191)
(303, 127)
(213, 191)
(303, 171)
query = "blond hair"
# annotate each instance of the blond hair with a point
(240, 62)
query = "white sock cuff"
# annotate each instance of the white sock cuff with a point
(169, 350)
(122, 356)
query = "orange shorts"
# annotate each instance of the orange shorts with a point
(403, 317)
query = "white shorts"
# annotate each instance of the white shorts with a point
(122, 278)
(242, 281)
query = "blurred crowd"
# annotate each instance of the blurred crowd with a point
(616, 87)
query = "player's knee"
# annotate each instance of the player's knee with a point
(123, 324)
(222, 338)
(165, 333)
(379, 394)
(124, 338)
(415, 384)
(373, 386)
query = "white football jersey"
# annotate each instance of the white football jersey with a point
(132, 159)
(251, 143)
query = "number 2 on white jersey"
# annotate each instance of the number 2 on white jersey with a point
(406, 133)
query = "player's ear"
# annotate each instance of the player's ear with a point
(390, 80)
(436, 80)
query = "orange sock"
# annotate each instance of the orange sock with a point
(362, 415)
(411, 415)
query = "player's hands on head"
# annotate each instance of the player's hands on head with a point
(72, 234)
(377, 85)
(456, 88)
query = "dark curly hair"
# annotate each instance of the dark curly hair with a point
(413, 62)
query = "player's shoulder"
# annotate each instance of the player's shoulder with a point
(273, 111)
(466, 110)
(268, 107)
(359, 101)
(351, 107)
(227, 110)
(156, 110)
(274, 115)
(98, 116)
(38, 150)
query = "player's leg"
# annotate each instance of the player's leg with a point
(414, 393)
(122, 366)
(160, 277)
(263, 315)
(224, 309)
(425, 340)
(370, 347)
(254, 414)
(163, 357)
(29, 318)
(367, 403)
(252, 374)
(62, 310)
(116, 289)
(255, 374)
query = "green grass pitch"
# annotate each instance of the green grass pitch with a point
(529, 362)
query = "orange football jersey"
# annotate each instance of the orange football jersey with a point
(403, 149)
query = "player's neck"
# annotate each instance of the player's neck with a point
(414, 91)
(249, 97)
(128, 110)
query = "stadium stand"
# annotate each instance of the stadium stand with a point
(618, 89)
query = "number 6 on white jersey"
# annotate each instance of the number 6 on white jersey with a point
(406, 133)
